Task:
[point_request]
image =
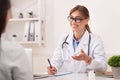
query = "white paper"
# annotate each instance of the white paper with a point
(62, 73)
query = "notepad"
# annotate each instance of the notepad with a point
(45, 75)
(61, 73)
(40, 75)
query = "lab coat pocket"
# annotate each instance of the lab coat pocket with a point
(68, 62)
(66, 57)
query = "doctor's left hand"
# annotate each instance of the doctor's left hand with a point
(82, 56)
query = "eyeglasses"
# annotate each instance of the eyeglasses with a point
(75, 19)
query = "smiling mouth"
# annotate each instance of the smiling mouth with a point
(74, 26)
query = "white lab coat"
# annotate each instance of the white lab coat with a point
(13, 62)
(63, 56)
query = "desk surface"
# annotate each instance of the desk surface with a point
(74, 76)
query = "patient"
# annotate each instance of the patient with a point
(13, 60)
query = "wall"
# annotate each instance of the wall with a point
(104, 20)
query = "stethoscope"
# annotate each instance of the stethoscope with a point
(65, 42)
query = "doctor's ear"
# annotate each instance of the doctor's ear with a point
(87, 20)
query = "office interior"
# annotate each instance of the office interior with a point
(104, 21)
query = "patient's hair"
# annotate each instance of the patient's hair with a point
(5, 5)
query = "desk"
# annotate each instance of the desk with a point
(75, 76)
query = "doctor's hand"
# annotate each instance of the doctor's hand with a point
(51, 70)
(82, 56)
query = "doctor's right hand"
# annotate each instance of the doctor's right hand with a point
(51, 70)
(82, 56)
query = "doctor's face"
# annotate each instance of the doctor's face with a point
(77, 21)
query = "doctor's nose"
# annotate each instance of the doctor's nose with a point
(73, 21)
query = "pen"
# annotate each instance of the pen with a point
(49, 63)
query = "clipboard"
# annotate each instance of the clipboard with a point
(61, 74)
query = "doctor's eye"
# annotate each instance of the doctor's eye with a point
(77, 19)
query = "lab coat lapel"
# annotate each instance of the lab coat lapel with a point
(70, 41)
(83, 43)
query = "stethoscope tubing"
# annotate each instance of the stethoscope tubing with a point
(65, 42)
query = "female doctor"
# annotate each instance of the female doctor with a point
(80, 50)
(13, 60)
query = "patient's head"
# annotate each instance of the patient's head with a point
(4, 14)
